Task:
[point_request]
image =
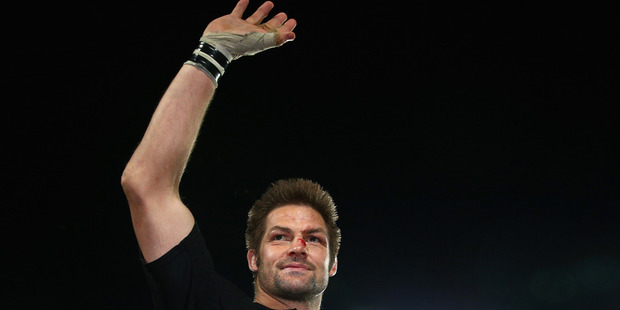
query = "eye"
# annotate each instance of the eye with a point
(279, 237)
(314, 239)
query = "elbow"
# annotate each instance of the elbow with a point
(141, 185)
(126, 180)
(132, 184)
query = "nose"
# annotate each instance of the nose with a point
(299, 248)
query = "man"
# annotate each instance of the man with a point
(292, 237)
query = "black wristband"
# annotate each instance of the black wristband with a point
(213, 53)
(206, 66)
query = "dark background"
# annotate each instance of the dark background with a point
(471, 150)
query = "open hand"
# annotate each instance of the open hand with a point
(234, 22)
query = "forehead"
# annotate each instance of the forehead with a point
(295, 217)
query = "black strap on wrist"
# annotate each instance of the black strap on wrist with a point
(206, 66)
(214, 53)
(208, 59)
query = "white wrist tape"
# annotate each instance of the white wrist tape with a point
(233, 46)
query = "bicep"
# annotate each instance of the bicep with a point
(160, 223)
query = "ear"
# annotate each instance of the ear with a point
(252, 260)
(334, 268)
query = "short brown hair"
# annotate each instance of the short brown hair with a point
(299, 192)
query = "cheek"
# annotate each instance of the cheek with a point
(272, 253)
(319, 254)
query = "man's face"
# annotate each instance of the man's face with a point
(294, 254)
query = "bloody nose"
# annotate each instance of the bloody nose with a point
(299, 248)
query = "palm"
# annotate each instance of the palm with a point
(234, 22)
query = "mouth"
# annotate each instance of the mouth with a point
(296, 267)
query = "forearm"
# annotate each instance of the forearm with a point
(160, 159)
(158, 163)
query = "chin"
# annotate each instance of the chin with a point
(297, 286)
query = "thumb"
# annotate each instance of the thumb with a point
(284, 37)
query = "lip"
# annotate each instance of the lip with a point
(296, 266)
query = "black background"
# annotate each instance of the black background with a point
(472, 150)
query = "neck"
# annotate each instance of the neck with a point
(274, 302)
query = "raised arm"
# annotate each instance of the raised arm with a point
(151, 178)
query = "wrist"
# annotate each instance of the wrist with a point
(210, 60)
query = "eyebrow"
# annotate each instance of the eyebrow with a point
(288, 230)
(280, 228)
(315, 230)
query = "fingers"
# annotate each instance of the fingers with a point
(260, 13)
(240, 8)
(285, 32)
(280, 24)
(289, 26)
(276, 21)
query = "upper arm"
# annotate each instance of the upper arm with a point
(160, 221)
